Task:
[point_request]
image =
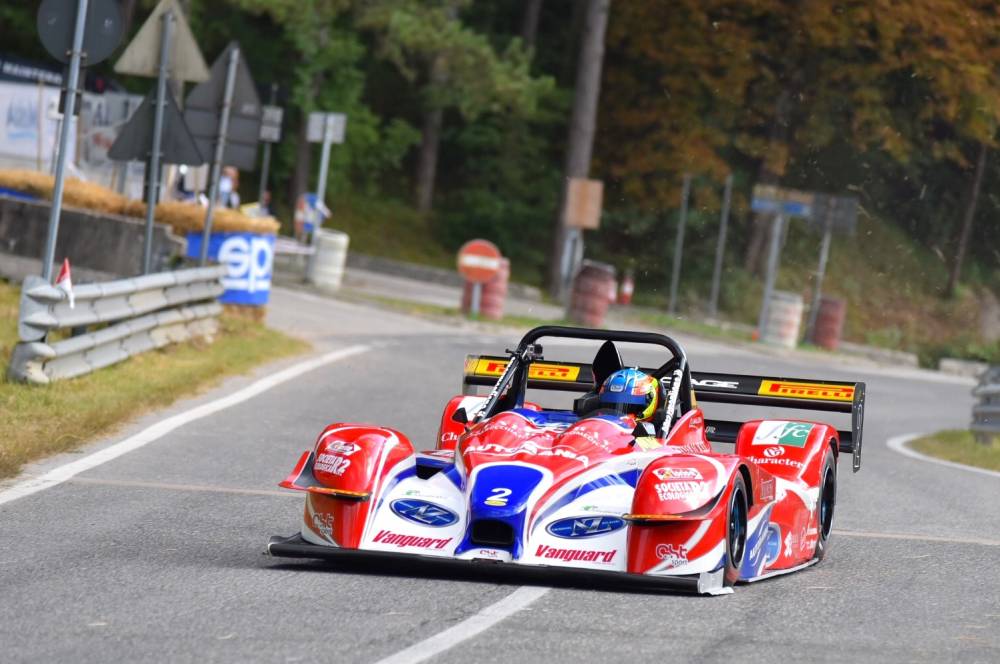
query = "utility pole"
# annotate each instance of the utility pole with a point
(582, 126)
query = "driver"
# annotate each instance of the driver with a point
(635, 393)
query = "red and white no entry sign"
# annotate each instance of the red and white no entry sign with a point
(478, 261)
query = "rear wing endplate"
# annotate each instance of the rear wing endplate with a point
(798, 393)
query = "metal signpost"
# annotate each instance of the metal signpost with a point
(720, 248)
(92, 32)
(270, 132)
(328, 128)
(675, 276)
(478, 262)
(156, 156)
(220, 148)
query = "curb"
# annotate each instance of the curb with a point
(899, 444)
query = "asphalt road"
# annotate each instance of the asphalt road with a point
(156, 555)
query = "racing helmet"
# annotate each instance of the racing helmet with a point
(630, 392)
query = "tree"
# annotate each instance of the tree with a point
(452, 66)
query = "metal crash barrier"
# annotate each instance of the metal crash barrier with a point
(136, 315)
(986, 411)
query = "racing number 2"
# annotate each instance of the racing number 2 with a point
(498, 497)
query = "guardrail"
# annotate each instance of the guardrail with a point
(986, 412)
(140, 314)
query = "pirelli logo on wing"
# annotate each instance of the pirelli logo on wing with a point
(537, 371)
(817, 391)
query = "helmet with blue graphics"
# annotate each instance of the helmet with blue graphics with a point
(630, 392)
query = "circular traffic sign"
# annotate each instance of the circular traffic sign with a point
(478, 261)
(102, 33)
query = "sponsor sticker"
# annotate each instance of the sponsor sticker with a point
(342, 447)
(570, 555)
(675, 473)
(423, 512)
(673, 555)
(679, 490)
(530, 448)
(323, 523)
(814, 391)
(774, 452)
(537, 370)
(779, 462)
(332, 463)
(717, 384)
(780, 432)
(403, 541)
(585, 526)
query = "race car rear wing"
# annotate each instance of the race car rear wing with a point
(798, 393)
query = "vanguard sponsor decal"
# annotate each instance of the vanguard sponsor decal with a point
(423, 512)
(585, 526)
(677, 474)
(403, 541)
(570, 555)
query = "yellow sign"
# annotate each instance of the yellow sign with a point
(815, 391)
(538, 370)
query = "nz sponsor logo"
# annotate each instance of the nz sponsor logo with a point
(677, 474)
(585, 526)
(570, 555)
(423, 512)
(672, 555)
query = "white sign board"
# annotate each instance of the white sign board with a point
(270, 124)
(326, 127)
(29, 122)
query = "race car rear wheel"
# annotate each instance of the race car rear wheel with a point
(827, 501)
(736, 530)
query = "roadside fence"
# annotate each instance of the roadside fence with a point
(135, 315)
(986, 412)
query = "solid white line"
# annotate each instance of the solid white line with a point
(468, 628)
(917, 538)
(163, 427)
(898, 444)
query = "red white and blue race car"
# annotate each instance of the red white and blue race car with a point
(586, 488)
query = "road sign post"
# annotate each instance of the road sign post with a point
(156, 156)
(220, 148)
(675, 275)
(720, 248)
(328, 128)
(773, 255)
(478, 261)
(72, 82)
(270, 132)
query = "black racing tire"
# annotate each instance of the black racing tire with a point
(736, 530)
(827, 503)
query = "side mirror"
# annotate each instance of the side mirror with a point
(460, 416)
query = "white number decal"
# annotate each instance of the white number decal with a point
(498, 497)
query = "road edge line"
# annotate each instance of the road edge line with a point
(156, 431)
(899, 444)
(468, 628)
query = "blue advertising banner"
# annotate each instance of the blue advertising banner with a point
(249, 258)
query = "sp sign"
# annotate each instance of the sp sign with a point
(249, 260)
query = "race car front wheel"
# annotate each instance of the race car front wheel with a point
(827, 501)
(736, 530)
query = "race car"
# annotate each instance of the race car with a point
(597, 491)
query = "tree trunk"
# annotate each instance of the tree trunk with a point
(427, 162)
(778, 139)
(529, 24)
(970, 214)
(583, 122)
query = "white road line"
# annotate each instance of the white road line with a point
(163, 427)
(164, 486)
(468, 628)
(899, 444)
(914, 537)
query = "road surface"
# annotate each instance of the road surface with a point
(156, 554)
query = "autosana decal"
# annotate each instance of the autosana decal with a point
(423, 512)
(585, 526)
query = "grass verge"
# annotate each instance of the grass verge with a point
(960, 447)
(37, 421)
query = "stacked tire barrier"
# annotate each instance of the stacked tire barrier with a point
(829, 322)
(986, 411)
(329, 259)
(494, 295)
(784, 319)
(139, 314)
(593, 291)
